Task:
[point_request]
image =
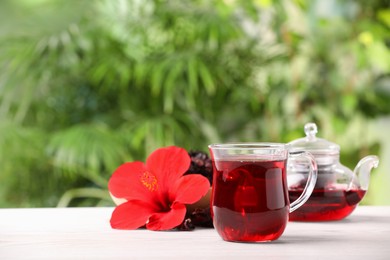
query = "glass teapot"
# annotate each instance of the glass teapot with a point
(338, 189)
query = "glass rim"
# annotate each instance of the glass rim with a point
(248, 145)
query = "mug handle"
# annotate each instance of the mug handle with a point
(311, 181)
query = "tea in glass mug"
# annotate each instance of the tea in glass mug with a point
(249, 199)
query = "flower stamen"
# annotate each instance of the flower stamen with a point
(149, 181)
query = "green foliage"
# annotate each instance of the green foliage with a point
(88, 85)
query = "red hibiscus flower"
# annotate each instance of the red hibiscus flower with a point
(155, 193)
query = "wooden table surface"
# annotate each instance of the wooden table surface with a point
(85, 233)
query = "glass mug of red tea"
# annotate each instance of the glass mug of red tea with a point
(249, 200)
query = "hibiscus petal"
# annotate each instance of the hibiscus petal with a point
(131, 215)
(189, 189)
(125, 182)
(167, 220)
(168, 164)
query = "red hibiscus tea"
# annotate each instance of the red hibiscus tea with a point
(326, 204)
(250, 200)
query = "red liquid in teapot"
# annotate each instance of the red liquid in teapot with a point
(326, 204)
(250, 201)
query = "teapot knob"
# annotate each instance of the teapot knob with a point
(311, 131)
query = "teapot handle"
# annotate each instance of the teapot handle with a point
(363, 169)
(311, 180)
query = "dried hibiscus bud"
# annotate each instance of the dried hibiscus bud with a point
(202, 217)
(199, 216)
(186, 225)
(201, 164)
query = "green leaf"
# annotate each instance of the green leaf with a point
(384, 16)
(87, 150)
(207, 79)
(157, 77)
(72, 194)
(171, 85)
(192, 72)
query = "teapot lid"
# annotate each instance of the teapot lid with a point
(318, 147)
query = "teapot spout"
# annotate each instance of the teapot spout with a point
(363, 169)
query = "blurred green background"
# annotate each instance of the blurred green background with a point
(87, 85)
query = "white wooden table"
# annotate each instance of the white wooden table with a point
(85, 233)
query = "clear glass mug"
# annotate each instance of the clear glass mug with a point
(249, 199)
